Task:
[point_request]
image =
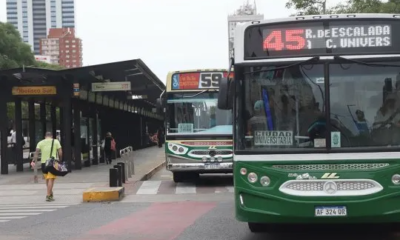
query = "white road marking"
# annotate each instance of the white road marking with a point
(185, 188)
(149, 187)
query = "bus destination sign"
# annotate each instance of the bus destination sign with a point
(197, 80)
(323, 38)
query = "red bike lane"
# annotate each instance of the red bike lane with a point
(159, 221)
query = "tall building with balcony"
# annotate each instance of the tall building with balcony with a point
(63, 47)
(34, 18)
(246, 13)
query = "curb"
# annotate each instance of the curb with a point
(148, 175)
(103, 194)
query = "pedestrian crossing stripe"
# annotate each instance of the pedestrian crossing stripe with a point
(9, 212)
(169, 187)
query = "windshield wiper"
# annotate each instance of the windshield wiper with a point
(191, 96)
(284, 67)
(365, 63)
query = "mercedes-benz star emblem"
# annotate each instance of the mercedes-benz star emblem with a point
(212, 153)
(330, 187)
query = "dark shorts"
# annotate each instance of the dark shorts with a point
(43, 168)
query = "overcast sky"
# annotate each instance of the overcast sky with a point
(167, 35)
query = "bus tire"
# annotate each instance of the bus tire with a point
(257, 227)
(178, 177)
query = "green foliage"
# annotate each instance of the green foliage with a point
(48, 66)
(15, 53)
(309, 7)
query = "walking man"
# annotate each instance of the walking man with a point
(49, 148)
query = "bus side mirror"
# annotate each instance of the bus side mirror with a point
(159, 105)
(225, 94)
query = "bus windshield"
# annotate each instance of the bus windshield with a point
(193, 113)
(285, 108)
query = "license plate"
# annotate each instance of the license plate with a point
(212, 166)
(337, 211)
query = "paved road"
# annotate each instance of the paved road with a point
(162, 183)
(156, 215)
(189, 220)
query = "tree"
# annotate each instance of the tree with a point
(308, 7)
(48, 66)
(15, 53)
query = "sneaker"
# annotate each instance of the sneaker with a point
(49, 198)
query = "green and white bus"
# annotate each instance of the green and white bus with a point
(316, 132)
(198, 135)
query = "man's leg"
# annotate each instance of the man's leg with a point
(50, 185)
(47, 187)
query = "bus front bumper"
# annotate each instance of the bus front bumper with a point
(252, 207)
(201, 167)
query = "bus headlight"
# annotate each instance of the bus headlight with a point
(252, 177)
(243, 171)
(265, 181)
(204, 159)
(219, 159)
(396, 179)
(176, 149)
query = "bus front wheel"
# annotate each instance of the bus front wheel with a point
(184, 176)
(258, 227)
(178, 177)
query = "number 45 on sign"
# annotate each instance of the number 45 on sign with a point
(290, 40)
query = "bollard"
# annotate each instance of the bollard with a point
(119, 167)
(128, 166)
(122, 171)
(133, 162)
(113, 177)
(126, 170)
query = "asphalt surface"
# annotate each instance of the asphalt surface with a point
(188, 216)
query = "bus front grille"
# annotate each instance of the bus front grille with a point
(350, 166)
(342, 187)
(213, 153)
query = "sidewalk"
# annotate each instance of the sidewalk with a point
(18, 188)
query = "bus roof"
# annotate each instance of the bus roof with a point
(240, 29)
(199, 70)
(320, 17)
